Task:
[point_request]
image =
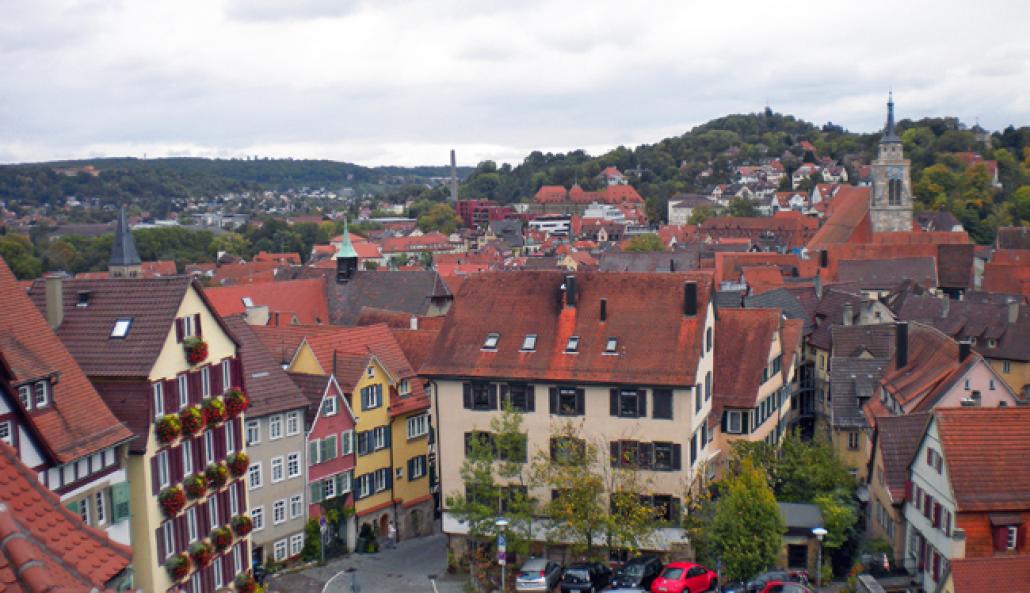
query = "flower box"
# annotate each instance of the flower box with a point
(236, 402)
(201, 552)
(238, 463)
(221, 537)
(178, 566)
(245, 583)
(195, 349)
(242, 525)
(217, 475)
(168, 428)
(195, 485)
(172, 500)
(192, 420)
(214, 411)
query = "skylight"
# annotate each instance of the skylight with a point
(573, 344)
(491, 341)
(121, 328)
(529, 343)
(611, 346)
(247, 302)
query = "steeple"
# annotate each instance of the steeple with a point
(125, 261)
(890, 134)
(346, 257)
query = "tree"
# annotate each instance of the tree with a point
(809, 469)
(644, 243)
(442, 218)
(1020, 208)
(839, 519)
(745, 529)
(741, 206)
(232, 243)
(700, 214)
(17, 251)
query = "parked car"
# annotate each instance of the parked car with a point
(585, 576)
(685, 577)
(638, 572)
(785, 587)
(538, 574)
(758, 583)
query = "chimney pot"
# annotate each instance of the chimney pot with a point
(604, 309)
(849, 313)
(964, 349)
(824, 259)
(54, 300)
(901, 344)
(690, 298)
(413, 323)
(570, 291)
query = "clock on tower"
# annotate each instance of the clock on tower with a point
(895, 172)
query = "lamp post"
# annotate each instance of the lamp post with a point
(819, 534)
(502, 548)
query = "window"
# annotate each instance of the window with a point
(708, 340)
(205, 381)
(296, 543)
(212, 512)
(382, 477)
(254, 476)
(280, 550)
(187, 457)
(519, 396)
(230, 438)
(296, 506)
(159, 399)
(1006, 366)
(191, 524)
(1012, 537)
(853, 440)
(418, 426)
(629, 403)
(490, 343)
(529, 343)
(379, 437)
(364, 485)
(42, 389)
(84, 510)
(370, 372)
(169, 538)
(278, 470)
(275, 427)
(480, 396)
(217, 568)
(346, 442)
(162, 469)
(293, 465)
(661, 399)
(292, 423)
(237, 559)
(664, 457)
(121, 328)
(253, 432)
(733, 422)
(572, 345)
(184, 390)
(329, 406)
(226, 375)
(187, 325)
(404, 387)
(568, 401)
(247, 302)
(278, 512)
(209, 446)
(257, 518)
(5, 433)
(567, 450)
(371, 396)
(990, 384)
(234, 502)
(894, 192)
(195, 582)
(708, 385)
(416, 467)
(329, 488)
(25, 395)
(327, 449)
(345, 480)
(698, 398)
(965, 385)
(611, 346)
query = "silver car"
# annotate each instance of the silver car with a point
(538, 574)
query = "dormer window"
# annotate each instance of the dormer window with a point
(121, 328)
(992, 343)
(529, 343)
(247, 302)
(972, 340)
(572, 345)
(25, 395)
(490, 343)
(42, 391)
(611, 346)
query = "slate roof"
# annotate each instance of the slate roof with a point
(729, 299)
(851, 378)
(830, 312)
(853, 341)
(46, 548)
(76, 422)
(743, 336)
(785, 301)
(408, 292)
(873, 274)
(123, 252)
(626, 261)
(268, 386)
(936, 220)
(305, 299)
(657, 343)
(1002, 435)
(898, 438)
(991, 574)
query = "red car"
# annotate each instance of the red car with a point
(685, 577)
(783, 587)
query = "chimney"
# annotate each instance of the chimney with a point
(604, 310)
(901, 345)
(849, 313)
(54, 300)
(1013, 311)
(413, 322)
(454, 177)
(975, 396)
(570, 291)
(818, 287)
(824, 258)
(964, 348)
(672, 265)
(690, 298)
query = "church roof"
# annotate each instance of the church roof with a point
(124, 251)
(346, 250)
(890, 134)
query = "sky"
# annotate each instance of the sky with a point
(401, 82)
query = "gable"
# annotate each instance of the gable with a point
(171, 359)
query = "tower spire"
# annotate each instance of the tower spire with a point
(890, 134)
(346, 257)
(124, 261)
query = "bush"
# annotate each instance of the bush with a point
(312, 542)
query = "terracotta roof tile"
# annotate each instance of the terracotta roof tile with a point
(848, 219)
(77, 422)
(898, 438)
(305, 299)
(268, 386)
(991, 574)
(744, 336)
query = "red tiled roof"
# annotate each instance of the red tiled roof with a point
(46, 548)
(429, 242)
(76, 422)
(932, 360)
(306, 299)
(728, 265)
(745, 337)
(972, 435)
(1010, 574)
(279, 258)
(899, 438)
(657, 343)
(244, 273)
(762, 278)
(268, 386)
(848, 219)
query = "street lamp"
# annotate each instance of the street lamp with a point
(502, 547)
(819, 534)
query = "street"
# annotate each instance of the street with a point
(406, 568)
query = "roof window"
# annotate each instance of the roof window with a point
(121, 328)
(573, 344)
(611, 346)
(490, 343)
(247, 302)
(529, 342)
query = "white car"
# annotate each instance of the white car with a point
(538, 574)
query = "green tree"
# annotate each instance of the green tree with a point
(839, 519)
(741, 207)
(17, 251)
(700, 214)
(1020, 207)
(442, 218)
(644, 243)
(232, 243)
(809, 469)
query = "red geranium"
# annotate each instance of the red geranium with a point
(236, 401)
(242, 525)
(217, 475)
(214, 410)
(171, 500)
(195, 485)
(196, 350)
(238, 463)
(201, 552)
(192, 420)
(168, 428)
(221, 537)
(178, 566)
(245, 583)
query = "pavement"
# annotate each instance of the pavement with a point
(406, 568)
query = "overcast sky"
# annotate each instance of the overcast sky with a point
(401, 81)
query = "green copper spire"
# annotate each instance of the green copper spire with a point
(346, 250)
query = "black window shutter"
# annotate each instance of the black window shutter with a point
(389, 479)
(175, 464)
(580, 402)
(197, 448)
(505, 395)
(645, 455)
(693, 450)
(161, 552)
(530, 399)
(493, 396)
(677, 457)
(178, 329)
(553, 392)
(642, 403)
(466, 395)
(171, 395)
(389, 435)
(614, 447)
(216, 378)
(725, 421)
(468, 442)
(196, 325)
(613, 401)
(155, 485)
(411, 467)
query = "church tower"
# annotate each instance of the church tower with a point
(124, 262)
(346, 257)
(890, 205)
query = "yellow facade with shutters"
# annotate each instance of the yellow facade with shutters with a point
(367, 422)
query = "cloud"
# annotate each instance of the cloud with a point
(401, 81)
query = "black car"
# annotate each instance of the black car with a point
(638, 572)
(585, 576)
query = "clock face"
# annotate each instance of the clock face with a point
(894, 172)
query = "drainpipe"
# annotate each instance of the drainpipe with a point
(393, 496)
